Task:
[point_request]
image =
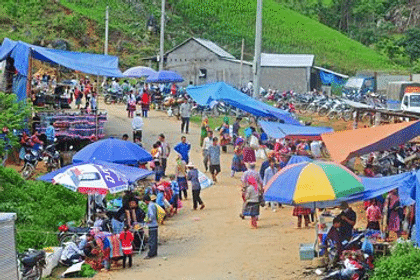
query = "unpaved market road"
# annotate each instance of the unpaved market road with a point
(213, 243)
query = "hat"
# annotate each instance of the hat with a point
(190, 165)
(344, 205)
(152, 197)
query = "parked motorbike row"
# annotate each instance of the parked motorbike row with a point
(33, 155)
(394, 161)
(324, 106)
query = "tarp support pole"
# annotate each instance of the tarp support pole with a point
(29, 77)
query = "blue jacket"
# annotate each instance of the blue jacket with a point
(183, 149)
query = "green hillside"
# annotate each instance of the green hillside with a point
(226, 22)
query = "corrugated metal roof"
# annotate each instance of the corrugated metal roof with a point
(238, 61)
(332, 72)
(287, 60)
(214, 48)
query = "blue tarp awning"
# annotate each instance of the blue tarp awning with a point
(281, 130)
(220, 91)
(95, 64)
(132, 173)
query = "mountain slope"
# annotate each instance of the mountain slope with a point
(226, 22)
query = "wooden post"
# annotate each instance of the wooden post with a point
(29, 75)
(242, 63)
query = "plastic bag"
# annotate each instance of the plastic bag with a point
(367, 247)
(261, 154)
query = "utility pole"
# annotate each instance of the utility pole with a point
(242, 63)
(257, 55)
(106, 30)
(162, 36)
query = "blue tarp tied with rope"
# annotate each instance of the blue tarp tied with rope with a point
(281, 130)
(330, 78)
(95, 64)
(220, 91)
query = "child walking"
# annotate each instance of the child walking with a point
(127, 239)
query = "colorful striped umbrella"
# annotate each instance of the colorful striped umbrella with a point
(307, 182)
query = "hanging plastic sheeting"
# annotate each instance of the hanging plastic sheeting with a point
(220, 91)
(281, 130)
(330, 78)
(102, 65)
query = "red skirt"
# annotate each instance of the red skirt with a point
(249, 155)
(299, 210)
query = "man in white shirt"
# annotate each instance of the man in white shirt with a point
(207, 142)
(185, 112)
(137, 125)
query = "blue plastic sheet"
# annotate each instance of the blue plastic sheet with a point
(220, 91)
(280, 130)
(101, 65)
(330, 78)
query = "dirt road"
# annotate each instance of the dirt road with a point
(213, 243)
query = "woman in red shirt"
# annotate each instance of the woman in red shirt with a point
(145, 101)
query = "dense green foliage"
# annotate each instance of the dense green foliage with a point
(225, 22)
(13, 115)
(284, 31)
(404, 263)
(39, 206)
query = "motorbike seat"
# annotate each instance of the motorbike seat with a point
(32, 258)
(79, 230)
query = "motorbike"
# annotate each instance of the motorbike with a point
(113, 96)
(199, 110)
(51, 158)
(30, 264)
(31, 160)
(71, 234)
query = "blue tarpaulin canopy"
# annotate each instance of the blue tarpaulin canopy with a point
(102, 65)
(132, 173)
(113, 150)
(220, 91)
(281, 130)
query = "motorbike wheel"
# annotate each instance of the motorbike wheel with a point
(53, 165)
(108, 99)
(332, 115)
(302, 109)
(194, 112)
(27, 171)
(310, 110)
(323, 112)
(69, 237)
(38, 275)
(347, 116)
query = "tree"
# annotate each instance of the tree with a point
(411, 43)
(13, 116)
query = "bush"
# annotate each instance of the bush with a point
(404, 263)
(39, 206)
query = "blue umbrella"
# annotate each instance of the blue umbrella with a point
(131, 173)
(164, 77)
(139, 71)
(113, 150)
